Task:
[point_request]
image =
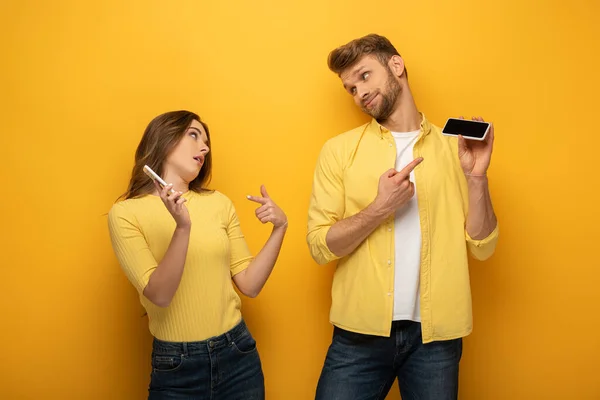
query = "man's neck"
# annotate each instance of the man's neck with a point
(406, 116)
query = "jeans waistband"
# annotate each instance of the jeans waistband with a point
(200, 347)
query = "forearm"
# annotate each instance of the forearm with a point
(346, 235)
(165, 280)
(481, 219)
(251, 280)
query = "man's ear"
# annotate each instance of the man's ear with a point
(396, 64)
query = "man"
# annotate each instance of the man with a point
(398, 204)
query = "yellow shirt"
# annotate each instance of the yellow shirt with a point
(345, 182)
(205, 304)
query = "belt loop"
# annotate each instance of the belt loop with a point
(185, 348)
(229, 339)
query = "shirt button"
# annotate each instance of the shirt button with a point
(390, 145)
(389, 229)
(389, 262)
(389, 293)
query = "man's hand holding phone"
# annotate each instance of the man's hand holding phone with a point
(475, 155)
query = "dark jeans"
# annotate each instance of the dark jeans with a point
(364, 367)
(225, 367)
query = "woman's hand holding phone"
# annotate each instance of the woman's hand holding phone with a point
(174, 203)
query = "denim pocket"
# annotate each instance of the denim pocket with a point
(166, 363)
(244, 344)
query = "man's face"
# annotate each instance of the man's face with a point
(373, 86)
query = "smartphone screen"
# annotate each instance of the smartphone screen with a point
(467, 128)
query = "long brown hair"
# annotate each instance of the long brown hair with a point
(161, 136)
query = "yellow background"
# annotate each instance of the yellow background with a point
(80, 81)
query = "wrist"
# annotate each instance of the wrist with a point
(477, 182)
(183, 228)
(376, 211)
(282, 227)
(476, 175)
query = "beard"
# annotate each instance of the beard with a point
(388, 99)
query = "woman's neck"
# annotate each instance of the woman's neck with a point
(179, 184)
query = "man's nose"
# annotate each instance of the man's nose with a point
(363, 92)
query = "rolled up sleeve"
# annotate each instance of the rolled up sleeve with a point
(326, 204)
(484, 248)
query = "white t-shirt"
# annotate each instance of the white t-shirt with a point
(407, 234)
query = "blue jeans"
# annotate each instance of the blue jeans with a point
(364, 367)
(225, 367)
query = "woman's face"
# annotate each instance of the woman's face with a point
(188, 156)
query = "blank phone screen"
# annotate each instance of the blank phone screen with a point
(466, 128)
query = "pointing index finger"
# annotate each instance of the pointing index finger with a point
(410, 166)
(256, 199)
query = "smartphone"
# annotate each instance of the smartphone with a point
(474, 130)
(154, 176)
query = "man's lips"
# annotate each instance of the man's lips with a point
(369, 101)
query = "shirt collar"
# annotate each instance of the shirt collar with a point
(382, 131)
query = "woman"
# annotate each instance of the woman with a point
(181, 246)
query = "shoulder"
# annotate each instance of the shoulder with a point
(435, 133)
(444, 147)
(120, 215)
(343, 143)
(342, 139)
(129, 210)
(120, 209)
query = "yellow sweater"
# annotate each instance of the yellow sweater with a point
(205, 304)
